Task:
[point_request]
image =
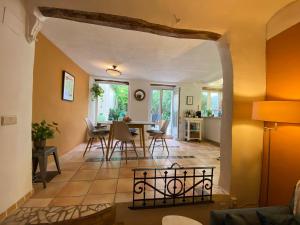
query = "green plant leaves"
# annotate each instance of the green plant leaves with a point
(43, 130)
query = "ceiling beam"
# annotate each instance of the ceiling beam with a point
(126, 23)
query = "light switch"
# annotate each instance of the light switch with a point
(8, 120)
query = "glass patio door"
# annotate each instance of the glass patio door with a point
(161, 106)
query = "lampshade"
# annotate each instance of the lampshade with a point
(277, 111)
(113, 71)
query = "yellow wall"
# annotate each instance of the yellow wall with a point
(283, 83)
(47, 103)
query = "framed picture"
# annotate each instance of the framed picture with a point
(68, 82)
(189, 100)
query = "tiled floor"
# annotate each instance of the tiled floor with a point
(90, 180)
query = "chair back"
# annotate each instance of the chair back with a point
(121, 131)
(165, 124)
(89, 125)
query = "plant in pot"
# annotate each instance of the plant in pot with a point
(96, 91)
(41, 132)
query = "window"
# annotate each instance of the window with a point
(113, 105)
(211, 103)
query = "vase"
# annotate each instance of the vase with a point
(40, 144)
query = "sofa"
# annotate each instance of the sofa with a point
(217, 217)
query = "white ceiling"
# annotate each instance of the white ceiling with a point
(138, 55)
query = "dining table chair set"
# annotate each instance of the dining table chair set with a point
(124, 134)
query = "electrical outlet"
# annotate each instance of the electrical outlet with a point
(8, 120)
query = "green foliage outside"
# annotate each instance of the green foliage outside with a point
(166, 104)
(121, 105)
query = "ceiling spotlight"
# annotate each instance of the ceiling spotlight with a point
(113, 71)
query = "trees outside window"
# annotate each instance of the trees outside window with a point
(114, 103)
(211, 103)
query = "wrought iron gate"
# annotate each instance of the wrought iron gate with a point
(176, 185)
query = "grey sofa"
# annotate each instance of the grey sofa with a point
(217, 217)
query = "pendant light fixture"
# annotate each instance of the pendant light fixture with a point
(113, 71)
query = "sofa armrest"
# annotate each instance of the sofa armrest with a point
(217, 217)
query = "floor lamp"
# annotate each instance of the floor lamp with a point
(273, 112)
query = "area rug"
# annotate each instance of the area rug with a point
(99, 159)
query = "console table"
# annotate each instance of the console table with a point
(40, 157)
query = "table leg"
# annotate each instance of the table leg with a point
(43, 168)
(56, 161)
(109, 141)
(143, 139)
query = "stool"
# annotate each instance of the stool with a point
(40, 157)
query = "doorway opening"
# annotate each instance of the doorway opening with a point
(113, 105)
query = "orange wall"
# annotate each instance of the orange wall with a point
(47, 86)
(283, 83)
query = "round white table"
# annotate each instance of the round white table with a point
(179, 220)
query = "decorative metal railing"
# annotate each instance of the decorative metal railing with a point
(175, 185)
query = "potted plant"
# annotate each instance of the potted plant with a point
(41, 132)
(96, 91)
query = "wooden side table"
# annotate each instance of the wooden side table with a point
(40, 157)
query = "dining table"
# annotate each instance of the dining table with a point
(132, 124)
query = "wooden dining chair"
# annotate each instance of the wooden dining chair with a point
(159, 135)
(94, 134)
(123, 136)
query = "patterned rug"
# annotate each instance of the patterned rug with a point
(29, 215)
(99, 159)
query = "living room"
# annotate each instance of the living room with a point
(255, 74)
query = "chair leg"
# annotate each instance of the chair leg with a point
(86, 148)
(153, 146)
(102, 147)
(103, 138)
(112, 143)
(166, 146)
(91, 143)
(113, 150)
(150, 143)
(126, 151)
(134, 148)
(162, 143)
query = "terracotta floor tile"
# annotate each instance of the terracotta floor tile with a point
(125, 185)
(126, 173)
(51, 191)
(64, 176)
(147, 163)
(37, 202)
(66, 201)
(105, 173)
(91, 166)
(123, 197)
(106, 181)
(84, 175)
(111, 164)
(71, 165)
(98, 199)
(72, 189)
(130, 164)
(103, 187)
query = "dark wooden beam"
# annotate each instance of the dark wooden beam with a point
(126, 23)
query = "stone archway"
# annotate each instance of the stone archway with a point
(134, 24)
